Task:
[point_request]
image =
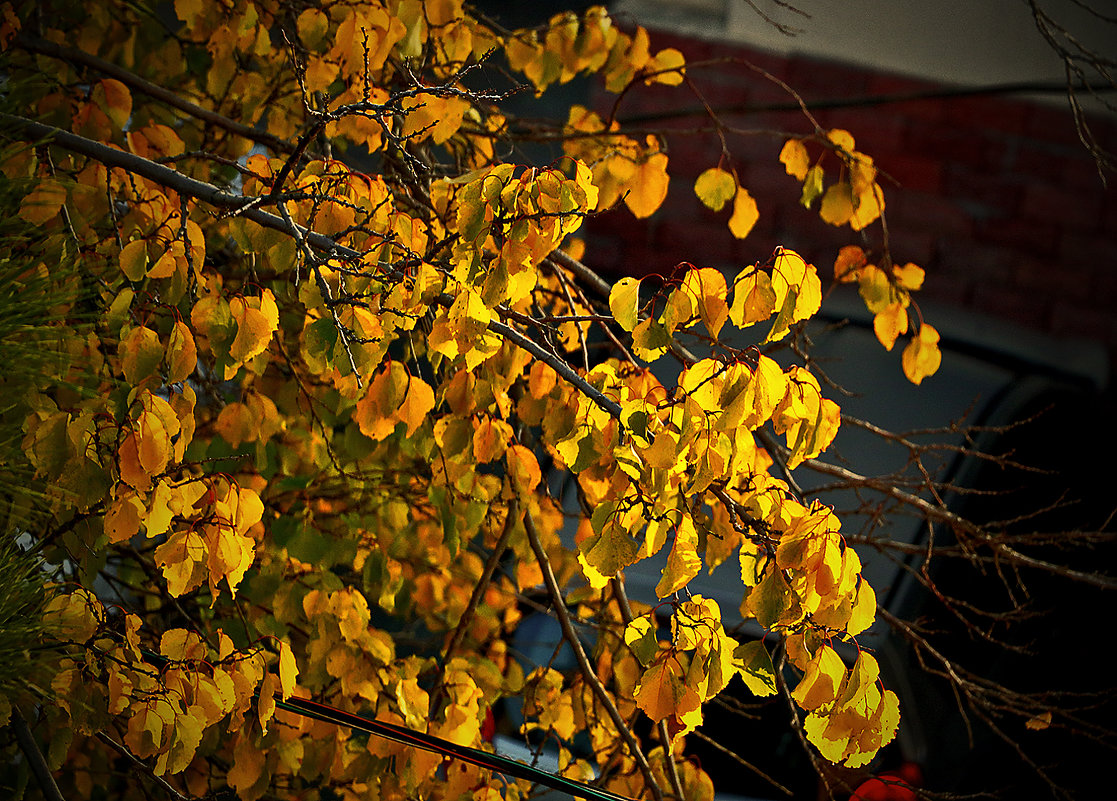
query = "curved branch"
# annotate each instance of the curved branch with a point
(162, 94)
(588, 673)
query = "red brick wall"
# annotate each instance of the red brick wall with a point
(997, 197)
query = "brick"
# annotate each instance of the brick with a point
(702, 243)
(948, 143)
(1020, 235)
(914, 173)
(824, 80)
(1055, 279)
(1051, 124)
(986, 112)
(921, 211)
(1067, 209)
(1062, 165)
(983, 194)
(957, 257)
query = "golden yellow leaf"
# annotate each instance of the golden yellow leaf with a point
(890, 323)
(416, 404)
(795, 158)
(683, 563)
(73, 616)
(647, 188)
(707, 286)
(247, 767)
(133, 260)
(715, 187)
(910, 276)
(256, 320)
(122, 520)
(624, 300)
(812, 186)
(140, 354)
(922, 357)
(745, 214)
(1039, 722)
(837, 204)
(670, 65)
(819, 685)
(841, 138)
(754, 299)
(312, 26)
(288, 670)
(755, 667)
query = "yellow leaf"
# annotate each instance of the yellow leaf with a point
(922, 357)
(140, 354)
(754, 299)
(671, 66)
(837, 204)
(647, 188)
(707, 286)
(122, 520)
(890, 323)
(875, 289)
(247, 767)
(819, 685)
(745, 214)
(74, 616)
(624, 300)
(178, 558)
(864, 609)
(179, 644)
(256, 319)
(841, 138)
(288, 670)
(715, 187)
(133, 260)
(909, 276)
(795, 159)
(772, 602)
(417, 403)
(683, 563)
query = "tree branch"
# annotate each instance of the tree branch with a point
(34, 756)
(588, 673)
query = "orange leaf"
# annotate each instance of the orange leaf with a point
(523, 470)
(663, 692)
